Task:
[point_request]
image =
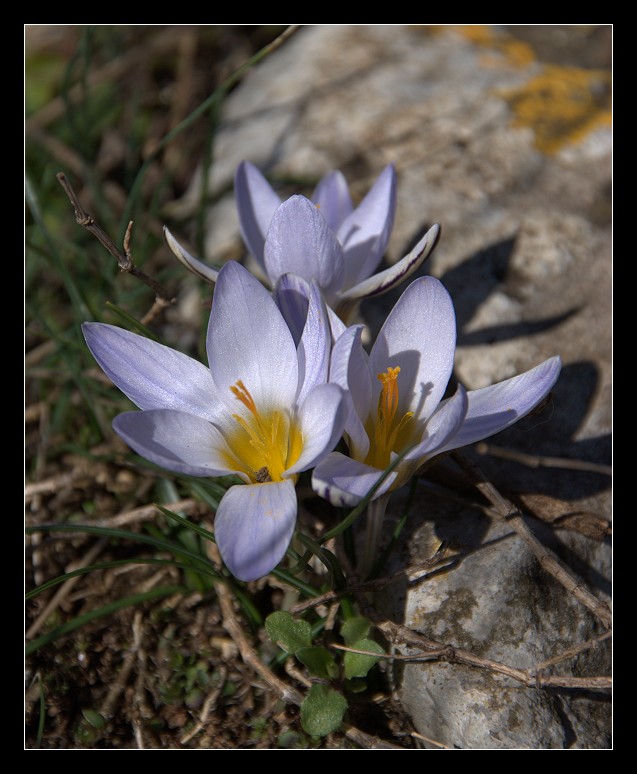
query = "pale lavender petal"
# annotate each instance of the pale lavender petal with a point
(337, 326)
(313, 351)
(442, 427)
(257, 202)
(333, 199)
(197, 267)
(254, 526)
(249, 341)
(291, 294)
(492, 409)
(419, 336)
(300, 241)
(176, 441)
(151, 374)
(322, 417)
(386, 280)
(349, 369)
(365, 233)
(345, 482)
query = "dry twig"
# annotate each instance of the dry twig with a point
(124, 260)
(508, 512)
(534, 461)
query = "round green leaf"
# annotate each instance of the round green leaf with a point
(322, 710)
(357, 664)
(319, 661)
(290, 635)
(355, 629)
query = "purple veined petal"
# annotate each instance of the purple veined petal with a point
(365, 233)
(442, 426)
(197, 267)
(333, 199)
(419, 336)
(151, 374)
(253, 527)
(322, 417)
(388, 279)
(257, 202)
(313, 351)
(300, 241)
(492, 409)
(182, 443)
(350, 370)
(249, 341)
(345, 482)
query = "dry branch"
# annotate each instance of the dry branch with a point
(508, 512)
(124, 260)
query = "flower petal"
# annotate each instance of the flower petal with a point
(254, 526)
(257, 202)
(365, 233)
(313, 351)
(151, 374)
(249, 341)
(349, 368)
(322, 417)
(419, 336)
(197, 267)
(380, 283)
(291, 294)
(442, 427)
(300, 241)
(345, 482)
(492, 409)
(333, 199)
(175, 441)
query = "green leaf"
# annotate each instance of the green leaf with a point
(322, 710)
(355, 629)
(319, 661)
(94, 718)
(357, 664)
(290, 635)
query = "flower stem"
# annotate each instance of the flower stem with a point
(375, 517)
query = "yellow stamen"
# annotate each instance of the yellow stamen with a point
(383, 431)
(264, 445)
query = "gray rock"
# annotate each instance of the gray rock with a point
(514, 160)
(493, 599)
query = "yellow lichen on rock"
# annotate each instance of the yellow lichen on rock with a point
(562, 105)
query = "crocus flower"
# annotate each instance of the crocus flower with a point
(324, 238)
(396, 406)
(262, 410)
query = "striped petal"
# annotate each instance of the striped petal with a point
(175, 441)
(365, 232)
(152, 375)
(386, 280)
(492, 409)
(345, 482)
(300, 241)
(333, 199)
(419, 336)
(253, 527)
(197, 267)
(257, 202)
(249, 341)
